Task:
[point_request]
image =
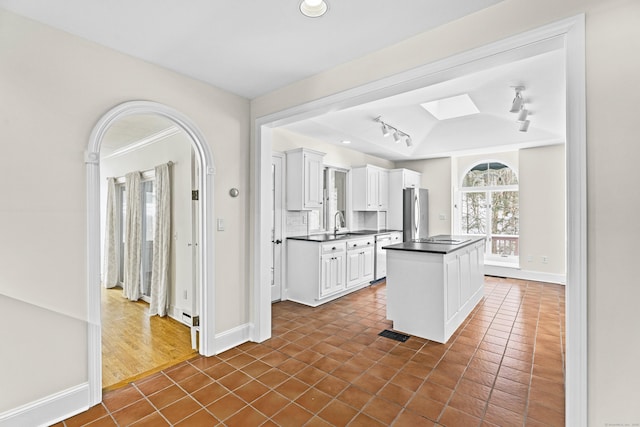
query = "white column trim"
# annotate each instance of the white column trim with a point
(576, 381)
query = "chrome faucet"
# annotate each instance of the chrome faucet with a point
(335, 222)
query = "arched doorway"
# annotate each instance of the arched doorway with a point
(205, 252)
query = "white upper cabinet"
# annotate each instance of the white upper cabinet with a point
(410, 179)
(370, 188)
(399, 179)
(304, 179)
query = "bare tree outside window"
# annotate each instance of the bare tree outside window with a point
(490, 207)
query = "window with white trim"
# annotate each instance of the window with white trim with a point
(488, 205)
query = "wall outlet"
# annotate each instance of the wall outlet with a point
(443, 217)
(530, 258)
(184, 294)
(544, 259)
(220, 224)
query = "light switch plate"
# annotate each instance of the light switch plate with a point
(220, 224)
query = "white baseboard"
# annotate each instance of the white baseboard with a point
(176, 313)
(233, 337)
(516, 273)
(49, 410)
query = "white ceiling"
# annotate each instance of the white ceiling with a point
(493, 129)
(248, 47)
(252, 48)
(135, 129)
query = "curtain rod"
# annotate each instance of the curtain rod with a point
(169, 163)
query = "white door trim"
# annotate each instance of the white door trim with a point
(206, 248)
(570, 32)
(280, 220)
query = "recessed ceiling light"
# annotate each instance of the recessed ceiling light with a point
(346, 141)
(313, 8)
(449, 108)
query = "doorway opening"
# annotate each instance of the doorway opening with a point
(202, 245)
(570, 33)
(149, 280)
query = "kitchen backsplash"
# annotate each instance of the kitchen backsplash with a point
(296, 223)
(300, 223)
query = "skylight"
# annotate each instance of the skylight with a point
(449, 108)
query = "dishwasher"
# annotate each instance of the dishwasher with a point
(381, 255)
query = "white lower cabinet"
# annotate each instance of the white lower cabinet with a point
(332, 274)
(360, 261)
(318, 272)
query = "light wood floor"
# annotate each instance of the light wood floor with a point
(135, 345)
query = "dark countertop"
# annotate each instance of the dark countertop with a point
(442, 247)
(325, 237)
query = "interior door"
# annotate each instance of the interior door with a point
(276, 226)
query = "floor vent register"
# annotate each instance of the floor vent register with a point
(394, 335)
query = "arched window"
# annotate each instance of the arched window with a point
(489, 206)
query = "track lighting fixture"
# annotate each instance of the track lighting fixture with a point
(518, 106)
(517, 103)
(522, 115)
(397, 134)
(408, 141)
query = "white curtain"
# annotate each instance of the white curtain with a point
(161, 244)
(110, 265)
(133, 238)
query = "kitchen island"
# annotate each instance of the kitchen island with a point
(433, 284)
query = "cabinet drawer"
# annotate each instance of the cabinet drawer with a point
(359, 243)
(328, 248)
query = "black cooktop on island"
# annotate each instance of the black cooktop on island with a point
(443, 240)
(441, 244)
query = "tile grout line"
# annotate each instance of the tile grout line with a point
(535, 347)
(360, 411)
(486, 404)
(436, 365)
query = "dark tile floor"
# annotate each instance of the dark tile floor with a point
(327, 366)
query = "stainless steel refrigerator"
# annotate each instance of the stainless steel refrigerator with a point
(415, 214)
